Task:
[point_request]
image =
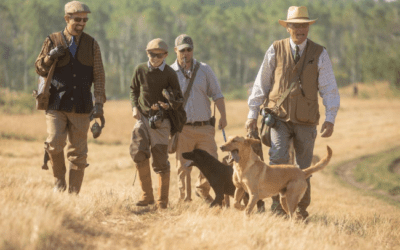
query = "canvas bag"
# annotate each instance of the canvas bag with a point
(173, 140)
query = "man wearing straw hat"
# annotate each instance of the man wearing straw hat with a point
(78, 66)
(294, 70)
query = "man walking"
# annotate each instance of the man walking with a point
(78, 66)
(294, 70)
(199, 131)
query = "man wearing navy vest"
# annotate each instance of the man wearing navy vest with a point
(300, 60)
(78, 67)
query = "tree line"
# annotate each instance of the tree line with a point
(362, 37)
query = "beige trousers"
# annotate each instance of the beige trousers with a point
(194, 137)
(62, 125)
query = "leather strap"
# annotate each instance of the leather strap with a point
(186, 95)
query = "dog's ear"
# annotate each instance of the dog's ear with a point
(252, 141)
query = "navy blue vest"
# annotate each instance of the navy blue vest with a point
(73, 77)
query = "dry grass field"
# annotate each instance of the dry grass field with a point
(103, 216)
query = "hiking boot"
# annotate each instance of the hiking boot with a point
(163, 190)
(75, 180)
(59, 185)
(147, 197)
(276, 207)
(301, 214)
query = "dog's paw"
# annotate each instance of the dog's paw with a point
(239, 206)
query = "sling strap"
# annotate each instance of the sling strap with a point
(186, 95)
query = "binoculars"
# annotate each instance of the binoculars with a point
(156, 120)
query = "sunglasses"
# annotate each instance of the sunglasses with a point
(297, 25)
(187, 49)
(79, 19)
(152, 55)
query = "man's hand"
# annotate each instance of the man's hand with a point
(57, 52)
(251, 124)
(222, 123)
(136, 113)
(163, 105)
(98, 110)
(327, 129)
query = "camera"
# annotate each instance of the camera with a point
(268, 119)
(156, 120)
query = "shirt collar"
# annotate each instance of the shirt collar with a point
(161, 67)
(68, 36)
(301, 46)
(175, 66)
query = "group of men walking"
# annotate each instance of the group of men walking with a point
(78, 66)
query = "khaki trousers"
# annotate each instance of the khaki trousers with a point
(194, 137)
(62, 125)
(146, 141)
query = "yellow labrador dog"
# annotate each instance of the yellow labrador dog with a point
(261, 181)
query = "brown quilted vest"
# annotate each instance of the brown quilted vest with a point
(84, 53)
(296, 107)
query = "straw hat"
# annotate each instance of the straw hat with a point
(297, 15)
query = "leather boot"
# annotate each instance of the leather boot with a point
(163, 190)
(301, 210)
(147, 197)
(188, 188)
(59, 170)
(276, 206)
(75, 180)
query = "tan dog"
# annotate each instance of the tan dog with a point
(262, 181)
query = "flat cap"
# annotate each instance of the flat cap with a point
(157, 43)
(76, 7)
(183, 41)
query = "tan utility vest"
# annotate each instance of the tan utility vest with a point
(296, 107)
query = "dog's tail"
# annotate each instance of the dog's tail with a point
(320, 165)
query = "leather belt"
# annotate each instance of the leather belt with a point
(203, 123)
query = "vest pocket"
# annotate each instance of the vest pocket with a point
(307, 110)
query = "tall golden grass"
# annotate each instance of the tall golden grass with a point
(103, 216)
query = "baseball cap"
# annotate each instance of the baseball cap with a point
(183, 41)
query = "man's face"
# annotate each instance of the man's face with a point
(156, 57)
(298, 32)
(184, 55)
(76, 23)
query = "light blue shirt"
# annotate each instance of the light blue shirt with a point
(205, 86)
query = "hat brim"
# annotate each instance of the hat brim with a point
(184, 46)
(285, 22)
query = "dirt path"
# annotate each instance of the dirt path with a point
(346, 173)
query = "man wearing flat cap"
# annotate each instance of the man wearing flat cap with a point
(151, 132)
(292, 74)
(198, 83)
(78, 66)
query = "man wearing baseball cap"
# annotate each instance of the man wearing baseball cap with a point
(151, 131)
(78, 66)
(199, 131)
(292, 74)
